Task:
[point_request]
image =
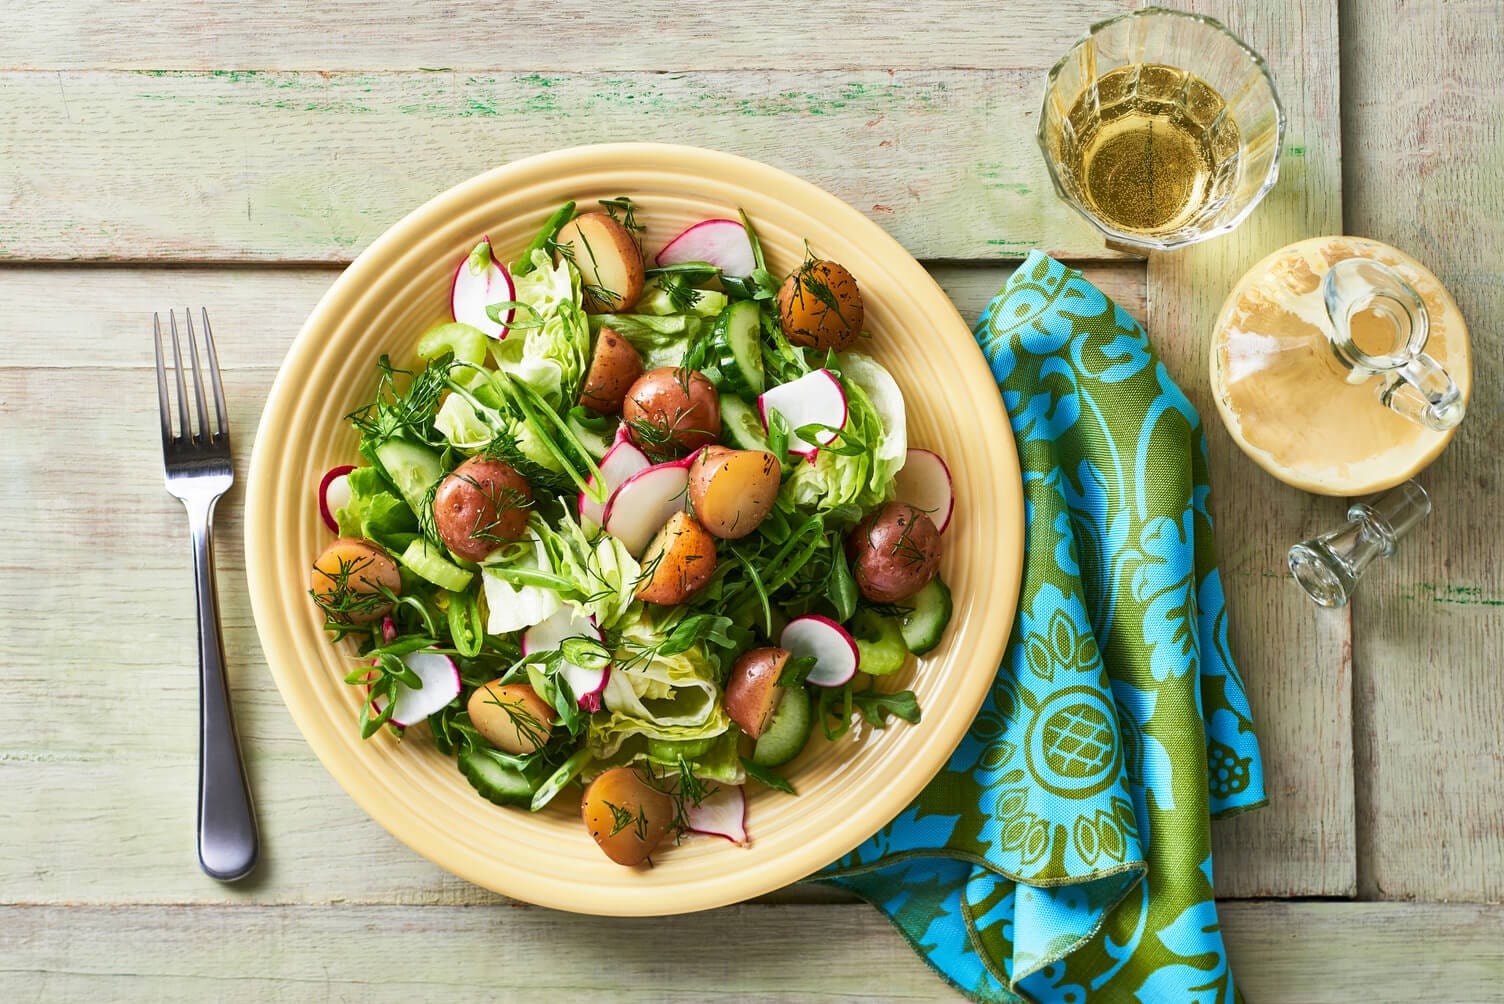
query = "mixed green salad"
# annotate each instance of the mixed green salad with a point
(641, 529)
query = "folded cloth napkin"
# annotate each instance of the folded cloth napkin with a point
(1063, 854)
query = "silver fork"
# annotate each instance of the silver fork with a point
(198, 473)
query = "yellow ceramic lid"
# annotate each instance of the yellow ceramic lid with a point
(1283, 395)
(395, 289)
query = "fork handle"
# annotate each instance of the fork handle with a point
(227, 839)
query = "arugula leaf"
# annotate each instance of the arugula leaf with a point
(768, 776)
(876, 708)
(796, 671)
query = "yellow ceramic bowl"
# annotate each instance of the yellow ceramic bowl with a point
(400, 285)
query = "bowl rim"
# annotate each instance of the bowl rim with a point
(943, 729)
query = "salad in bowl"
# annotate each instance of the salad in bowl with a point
(635, 534)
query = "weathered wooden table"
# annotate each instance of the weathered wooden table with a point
(286, 136)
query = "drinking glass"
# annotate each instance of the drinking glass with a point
(1162, 128)
(1327, 567)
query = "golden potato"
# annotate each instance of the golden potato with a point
(820, 306)
(480, 506)
(512, 716)
(752, 691)
(894, 553)
(732, 491)
(614, 367)
(670, 410)
(626, 816)
(678, 561)
(345, 580)
(609, 262)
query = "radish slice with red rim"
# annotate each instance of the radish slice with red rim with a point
(816, 398)
(480, 281)
(722, 243)
(924, 482)
(588, 684)
(334, 494)
(834, 650)
(644, 502)
(620, 462)
(722, 813)
(441, 684)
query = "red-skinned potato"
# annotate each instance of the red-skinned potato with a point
(732, 491)
(894, 553)
(609, 262)
(480, 506)
(670, 410)
(820, 306)
(626, 816)
(512, 716)
(752, 691)
(678, 561)
(614, 367)
(345, 579)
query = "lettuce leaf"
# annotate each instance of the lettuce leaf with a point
(660, 340)
(515, 607)
(875, 416)
(662, 697)
(375, 512)
(603, 573)
(551, 355)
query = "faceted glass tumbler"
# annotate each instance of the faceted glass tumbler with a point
(1195, 45)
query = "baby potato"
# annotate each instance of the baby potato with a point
(614, 367)
(678, 561)
(627, 816)
(480, 506)
(752, 691)
(610, 265)
(894, 553)
(345, 578)
(511, 717)
(732, 491)
(669, 410)
(820, 306)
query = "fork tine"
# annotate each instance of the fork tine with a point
(184, 430)
(156, 325)
(198, 380)
(219, 390)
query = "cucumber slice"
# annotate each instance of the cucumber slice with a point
(787, 732)
(412, 468)
(880, 643)
(741, 425)
(424, 560)
(925, 623)
(497, 782)
(736, 348)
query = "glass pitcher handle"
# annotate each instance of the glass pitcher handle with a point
(1424, 392)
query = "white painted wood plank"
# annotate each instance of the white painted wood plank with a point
(1313, 953)
(561, 35)
(1425, 142)
(245, 166)
(1297, 664)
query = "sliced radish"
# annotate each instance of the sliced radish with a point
(334, 494)
(388, 630)
(644, 502)
(620, 462)
(587, 685)
(441, 684)
(623, 435)
(834, 650)
(722, 813)
(479, 282)
(924, 483)
(722, 243)
(816, 398)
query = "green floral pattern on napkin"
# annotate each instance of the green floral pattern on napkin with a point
(1064, 852)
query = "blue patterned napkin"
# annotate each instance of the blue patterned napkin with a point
(1063, 854)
